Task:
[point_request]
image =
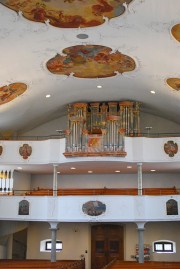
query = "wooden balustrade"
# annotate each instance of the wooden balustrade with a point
(42, 264)
(104, 191)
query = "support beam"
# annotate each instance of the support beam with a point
(55, 180)
(53, 228)
(141, 229)
(139, 165)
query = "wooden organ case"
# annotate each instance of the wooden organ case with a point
(98, 129)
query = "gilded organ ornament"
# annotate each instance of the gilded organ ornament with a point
(68, 13)
(25, 151)
(171, 148)
(90, 61)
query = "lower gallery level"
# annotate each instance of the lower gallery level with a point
(97, 243)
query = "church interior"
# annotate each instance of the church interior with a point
(90, 133)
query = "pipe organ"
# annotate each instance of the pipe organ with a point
(98, 129)
(6, 181)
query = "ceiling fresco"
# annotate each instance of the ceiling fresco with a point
(90, 61)
(68, 13)
(12, 91)
(174, 83)
(176, 32)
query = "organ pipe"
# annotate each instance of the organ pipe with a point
(101, 127)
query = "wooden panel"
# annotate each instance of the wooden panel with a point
(106, 244)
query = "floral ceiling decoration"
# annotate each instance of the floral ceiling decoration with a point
(11, 91)
(174, 83)
(68, 13)
(176, 31)
(90, 61)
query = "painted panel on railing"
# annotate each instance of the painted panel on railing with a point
(93, 208)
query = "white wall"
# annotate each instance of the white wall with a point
(153, 231)
(48, 128)
(22, 181)
(152, 180)
(158, 124)
(75, 238)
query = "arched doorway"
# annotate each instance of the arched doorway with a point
(107, 243)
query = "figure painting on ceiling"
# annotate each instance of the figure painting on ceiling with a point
(11, 91)
(174, 83)
(90, 61)
(176, 32)
(68, 13)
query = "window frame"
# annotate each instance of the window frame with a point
(50, 242)
(163, 243)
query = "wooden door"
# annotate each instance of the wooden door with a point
(106, 244)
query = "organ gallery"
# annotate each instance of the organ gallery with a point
(98, 129)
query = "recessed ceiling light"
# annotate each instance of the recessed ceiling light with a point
(90, 172)
(129, 167)
(117, 171)
(58, 172)
(48, 95)
(153, 92)
(99, 86)
(72, 168)
(19, 168)
(153, 170)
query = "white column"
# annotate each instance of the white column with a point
(141, 240)
(139, 165)
(55, 180)
(53, 228)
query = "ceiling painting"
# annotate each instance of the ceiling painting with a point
(68, 13)
(176, 32)
(174, 83)
(90, 61)
(12, 91)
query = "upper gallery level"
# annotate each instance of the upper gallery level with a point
(109, 131)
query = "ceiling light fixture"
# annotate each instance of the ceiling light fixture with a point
(48, 95)
(153, 170)
(153, 92)
(117, 171)
(129, 167)
(58, 172)
(19, 168)
(82, 36)
(90, 172)
(99, 86)
(73, 168)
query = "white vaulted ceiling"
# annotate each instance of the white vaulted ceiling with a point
(143, 32)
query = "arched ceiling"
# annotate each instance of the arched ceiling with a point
(67, 48)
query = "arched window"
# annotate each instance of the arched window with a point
(164, 246)
(172, 207)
